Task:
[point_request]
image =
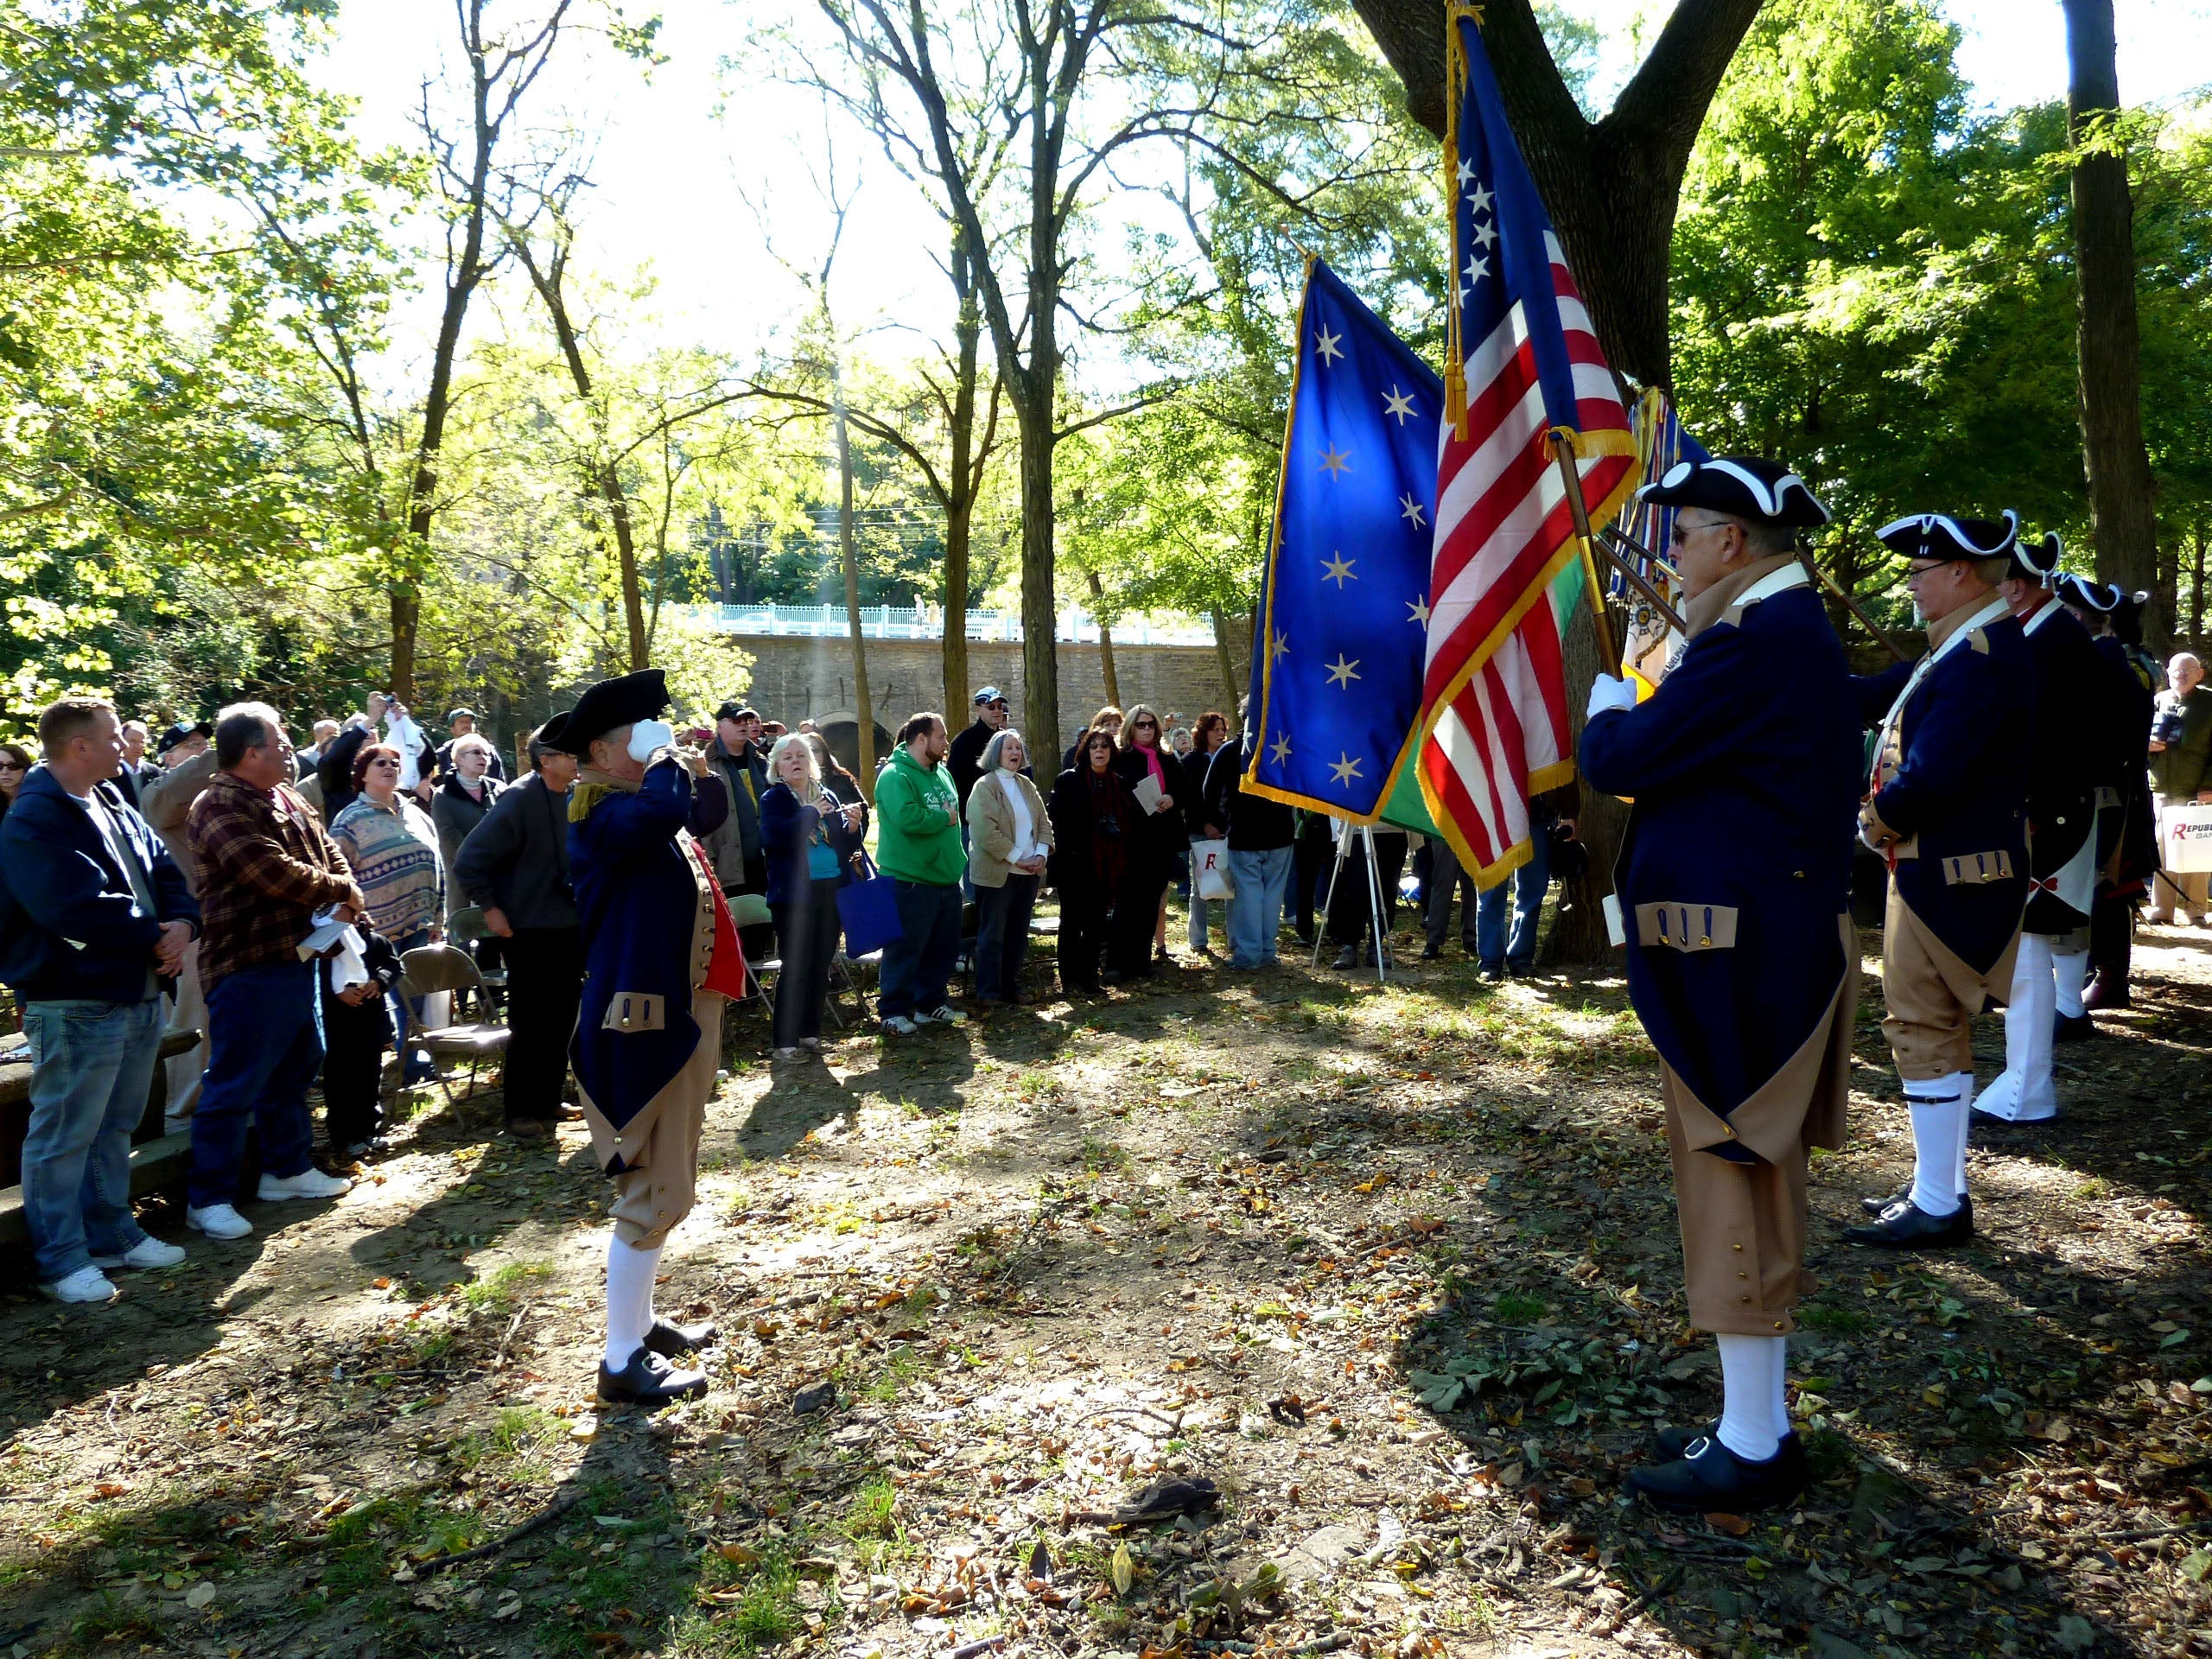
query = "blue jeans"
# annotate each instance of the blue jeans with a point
(917, 965)
(265, 1045)
(1256, 911)
(91, 1069)
(1002, 934)
(1494, 944)
(407, 1014)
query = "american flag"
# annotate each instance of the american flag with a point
(1507, 571)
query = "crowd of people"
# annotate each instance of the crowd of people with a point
(213, 880)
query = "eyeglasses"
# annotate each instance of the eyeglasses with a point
(13, 766)
(384, 765)
(1913, 572)
(1681, 532)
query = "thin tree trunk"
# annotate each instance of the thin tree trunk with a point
(962, 476)
(1106, 647)
(2196, 589)
(2123, 516)
(863, 704)
(1221, 654)
(1040, 668)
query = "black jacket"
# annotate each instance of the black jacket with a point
(334, 771)
(1075, 825)
(1168, 826)
(518, 858)
(1254, 824)
(965, 759)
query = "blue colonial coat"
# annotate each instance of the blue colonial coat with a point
(1735, 871)
(1951, 781)
(2062, 770)
(638, 900)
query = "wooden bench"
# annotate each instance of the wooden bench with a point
(155, 1160)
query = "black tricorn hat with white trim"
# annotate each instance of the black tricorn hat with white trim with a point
(2086, 595)
(1743, 487)
(2038, 562)
(1939, 536)
(608, 704)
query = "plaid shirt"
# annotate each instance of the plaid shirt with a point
(265, 868)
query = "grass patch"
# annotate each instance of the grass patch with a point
(516, 1437)
(764, 1613)
(902, 1368)
(1099, 1156)
(1515, 1307)
(1833, 1320)
(871, 1514)
(500, 1289)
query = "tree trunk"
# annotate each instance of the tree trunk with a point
(957, 689)
(2196, 589)
(962, 477)
(1040, 668)
(1227, 663)
(1106, 647)
(1579, 934)
(863, 703)
(1611, 185)
(2123, 518)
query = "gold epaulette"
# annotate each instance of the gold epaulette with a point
(584, 797)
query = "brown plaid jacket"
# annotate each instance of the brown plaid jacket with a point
(266, 867)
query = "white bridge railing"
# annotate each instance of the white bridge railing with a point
(1074, 625)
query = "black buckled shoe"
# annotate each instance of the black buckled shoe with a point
(2074, 1028)
(1907, 1227)
(1876, 1206)
(668, 1339)
(1709, 1477)
(1669, 1444)
(649, 1380)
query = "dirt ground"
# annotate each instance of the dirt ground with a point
(1397, 1270)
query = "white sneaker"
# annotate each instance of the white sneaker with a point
(945, 1014)
(814, 1043)
(218, 1221)
(309, 1183)
(899, 1026)
(787, 1053)
(146, 1253)
(85, 1284)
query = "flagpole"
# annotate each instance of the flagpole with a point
(1850, 604)
(1609, 653)
(1636, 580)
(1336, 869)
(1375, 903)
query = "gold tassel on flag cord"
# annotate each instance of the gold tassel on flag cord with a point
(1455, 86)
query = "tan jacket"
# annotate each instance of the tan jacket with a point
(990, 826)
(166, 803)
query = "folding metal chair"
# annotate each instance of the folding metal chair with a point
(434, 968)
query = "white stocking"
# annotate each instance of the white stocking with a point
(629, 1299)
(1939, 1131)
(1754, 1411)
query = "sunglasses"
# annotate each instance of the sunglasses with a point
(384, 765)
(1147, 726)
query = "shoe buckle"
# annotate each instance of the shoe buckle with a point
(1697, 1448)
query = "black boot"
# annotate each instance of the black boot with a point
(1907, 1227)
(668, 1339)
(649, 1380)
(2075, 1028)
(1710, 1478)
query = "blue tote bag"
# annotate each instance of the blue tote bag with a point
(869, 909)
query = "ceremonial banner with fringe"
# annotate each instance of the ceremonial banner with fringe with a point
(1507, 568)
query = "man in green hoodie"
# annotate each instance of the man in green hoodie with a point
(917, 846)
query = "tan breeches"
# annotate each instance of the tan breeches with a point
(1931, 996)
(1742, 1230)
(659, 1187)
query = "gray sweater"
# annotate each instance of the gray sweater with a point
(518, 858)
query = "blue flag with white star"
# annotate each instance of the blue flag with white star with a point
(1343, 605)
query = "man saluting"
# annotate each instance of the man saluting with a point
(1734, 887)
(1947, 805)
(660, 956)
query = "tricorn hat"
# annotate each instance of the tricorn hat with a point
(2037, 561)
(609, 704)
(553, 734)
(1743, 487)
(1939, 536)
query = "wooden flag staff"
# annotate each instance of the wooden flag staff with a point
(1609, 653)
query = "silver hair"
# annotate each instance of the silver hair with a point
(782, 746)
(997, 747)
(468, 740)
